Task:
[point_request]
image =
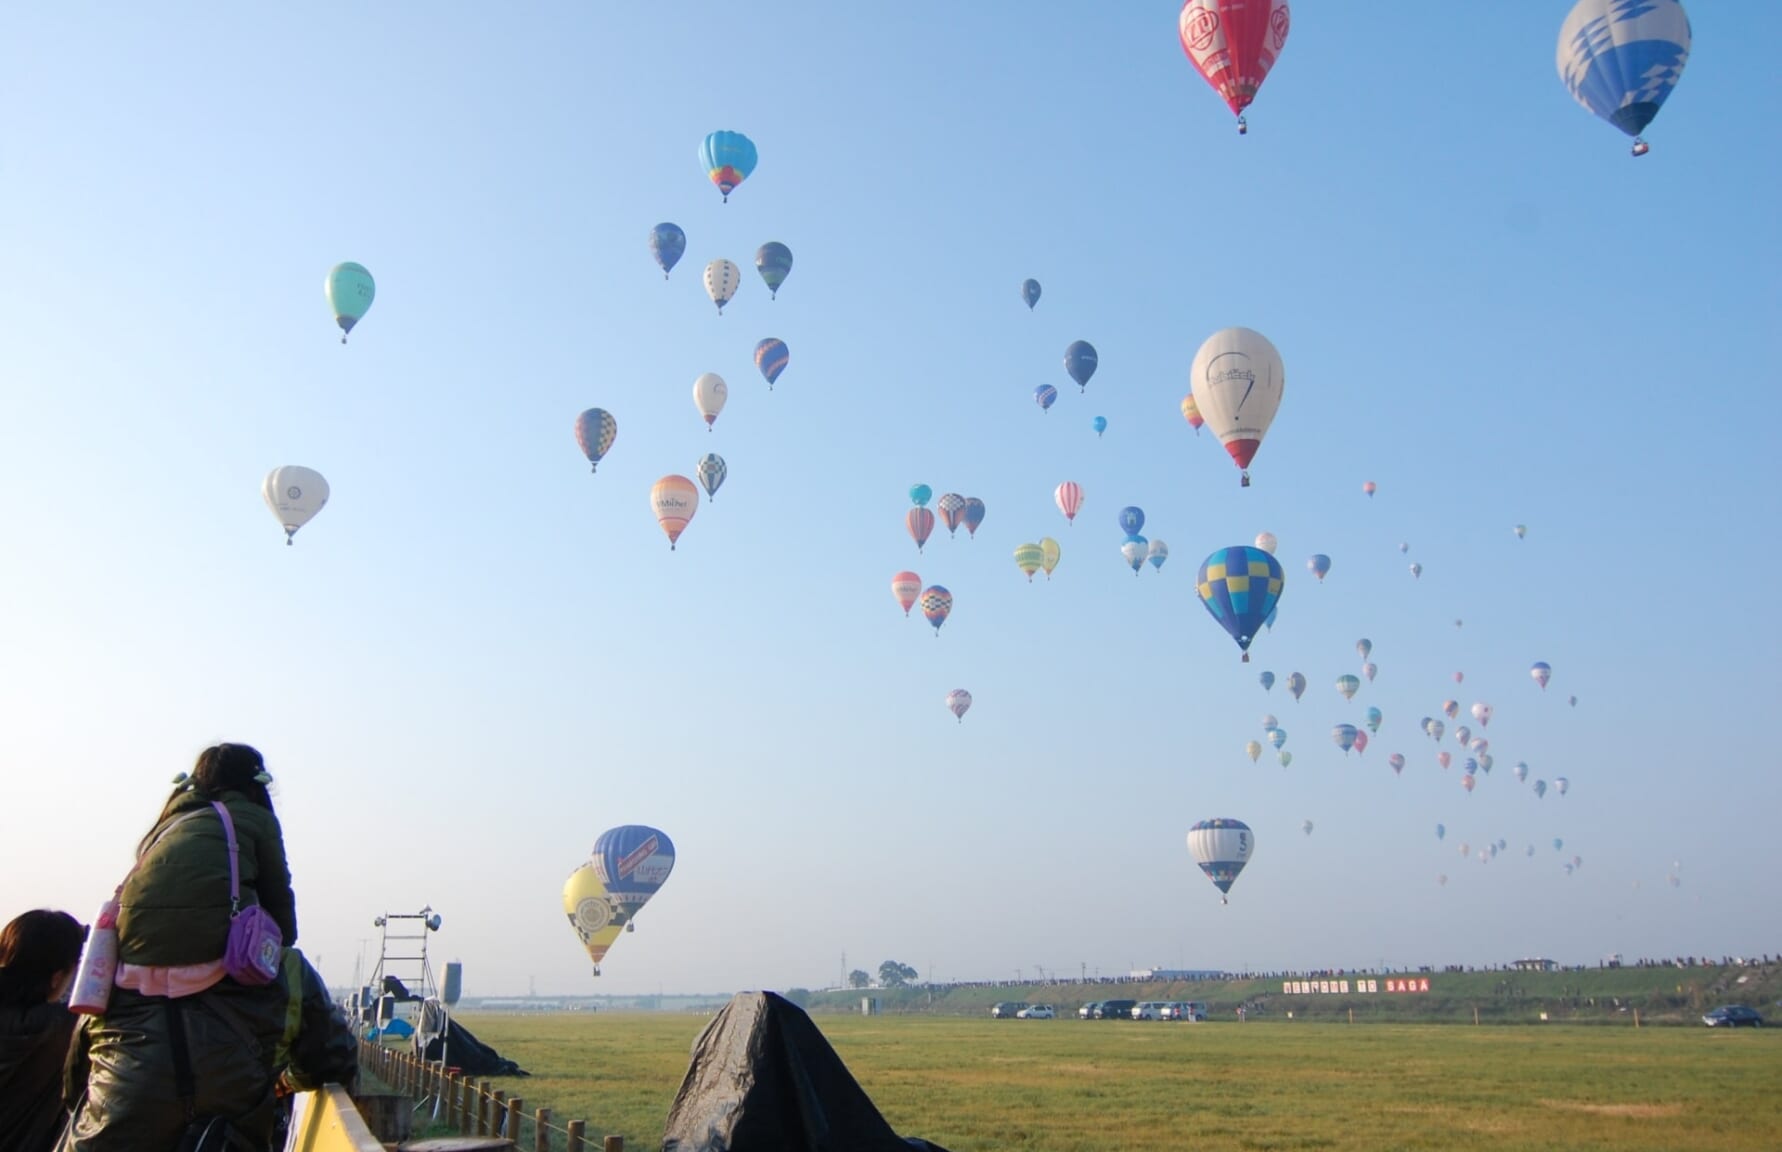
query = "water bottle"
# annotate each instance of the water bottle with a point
(98, 964)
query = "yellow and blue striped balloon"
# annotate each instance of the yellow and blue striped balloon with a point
(1240, 586)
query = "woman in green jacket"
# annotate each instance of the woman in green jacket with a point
(180, 1040)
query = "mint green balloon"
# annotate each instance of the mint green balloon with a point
(350, 290)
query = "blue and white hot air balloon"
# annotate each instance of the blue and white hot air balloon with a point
(1221, 848)
(632, 861)
(1621, 58)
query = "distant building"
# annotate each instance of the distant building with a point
(1164, 974)
(1535, 966)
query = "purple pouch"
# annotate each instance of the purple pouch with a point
(256, 946)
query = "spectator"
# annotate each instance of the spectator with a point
(38, 954)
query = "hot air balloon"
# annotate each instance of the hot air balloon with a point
(1368, 487)
(1134, 550)
(1373, 720)
(1444, 760)
(1460, 677)
(1482, 713)
(1233, 44)
(1238, 379)
(920, 494)
(1268, 680)
(937, 605)
(1416, 571)
(1100, 424)
(952, 507)
(1296, 684)
(1364, 647)
(1269, 720)
(1030, 558)
(1450, 708)
(1521, 531)
(1442, 880)
(721, 280)
(771, 358)
(1132, 520)
(667, 244)
(920, 523)
(709, 394)
(1573, 701)
(1360, 742)
(595, 431)
(633, 862)
(959, 703)
(1368, 671)
(1191, 413)
(905, 587)
(295, 494)
(1255, 751)
(1080, 361)
(1240, 586)
(1277, 736)
(1286, 758)
(1049, 548)
(1069, 498)
(711, 472)
(1558, 844)
(1540, 789)
(1478, 744)
(728, 158)
(1319, 566)
(1266, 541)
(1157, 553)
(1221, 848)
(774, 261)
(1436, 728)
(1348, 686)
(674, 500)
(1462, 734)
(1344, 736)
(350, 291)
(1520, 771)
(1403, 547)
(1621, 58)
(591, 913)
(1397, 762)
(1470, 767)
(973, 515)
(1045, 396)
(1468, 782)
(1485, 762)
(1561, 785)
(1306, 827)
(1441, 832)
(1542, 672)
(1030, 292)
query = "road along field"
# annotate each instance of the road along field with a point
(975, 1085)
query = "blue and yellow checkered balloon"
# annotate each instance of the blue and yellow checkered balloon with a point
(1240, 587)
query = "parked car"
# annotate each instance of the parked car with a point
(1088, 1011)
(1115, 1009)
(1148, 1010)
(1184, 1010)
(1006, 1009)
(1733, 1016)
(1036, 1012)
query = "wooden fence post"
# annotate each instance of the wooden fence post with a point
(576, 1128)
(541, 1130)
(614, 1144)
(482, 1107)
(460, 1118)
(512, 1131)
(497, 1113)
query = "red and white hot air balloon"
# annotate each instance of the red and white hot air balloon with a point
(906, 586)
(1070, 498)
(1233, 44)
(1238, 379)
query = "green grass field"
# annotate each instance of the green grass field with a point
(976, 1085)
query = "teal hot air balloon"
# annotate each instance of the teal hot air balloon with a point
(1100, 424)
(1030, 292)
(728, 158)
(711, 472)
(920, 494)
(774, 261)
(350, 290)
(1080, 361)
(771, 357)
(667, 244)
(1373, 720)
(1240, 586)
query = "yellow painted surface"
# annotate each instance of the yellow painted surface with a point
(326, 1121)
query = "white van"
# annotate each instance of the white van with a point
(1149, 1010)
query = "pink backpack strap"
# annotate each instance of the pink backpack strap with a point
(234, 857)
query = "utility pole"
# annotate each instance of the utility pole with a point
(842, 981)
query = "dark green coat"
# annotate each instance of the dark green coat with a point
(33, 1046)
(175, 907)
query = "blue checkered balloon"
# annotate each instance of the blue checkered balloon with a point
(1621, 58)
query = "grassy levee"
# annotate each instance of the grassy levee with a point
(1592, 995)
(977, 1085)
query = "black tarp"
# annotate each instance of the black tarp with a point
(468, 1054)
(763, 1079)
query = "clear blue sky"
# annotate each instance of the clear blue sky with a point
(479, 656)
